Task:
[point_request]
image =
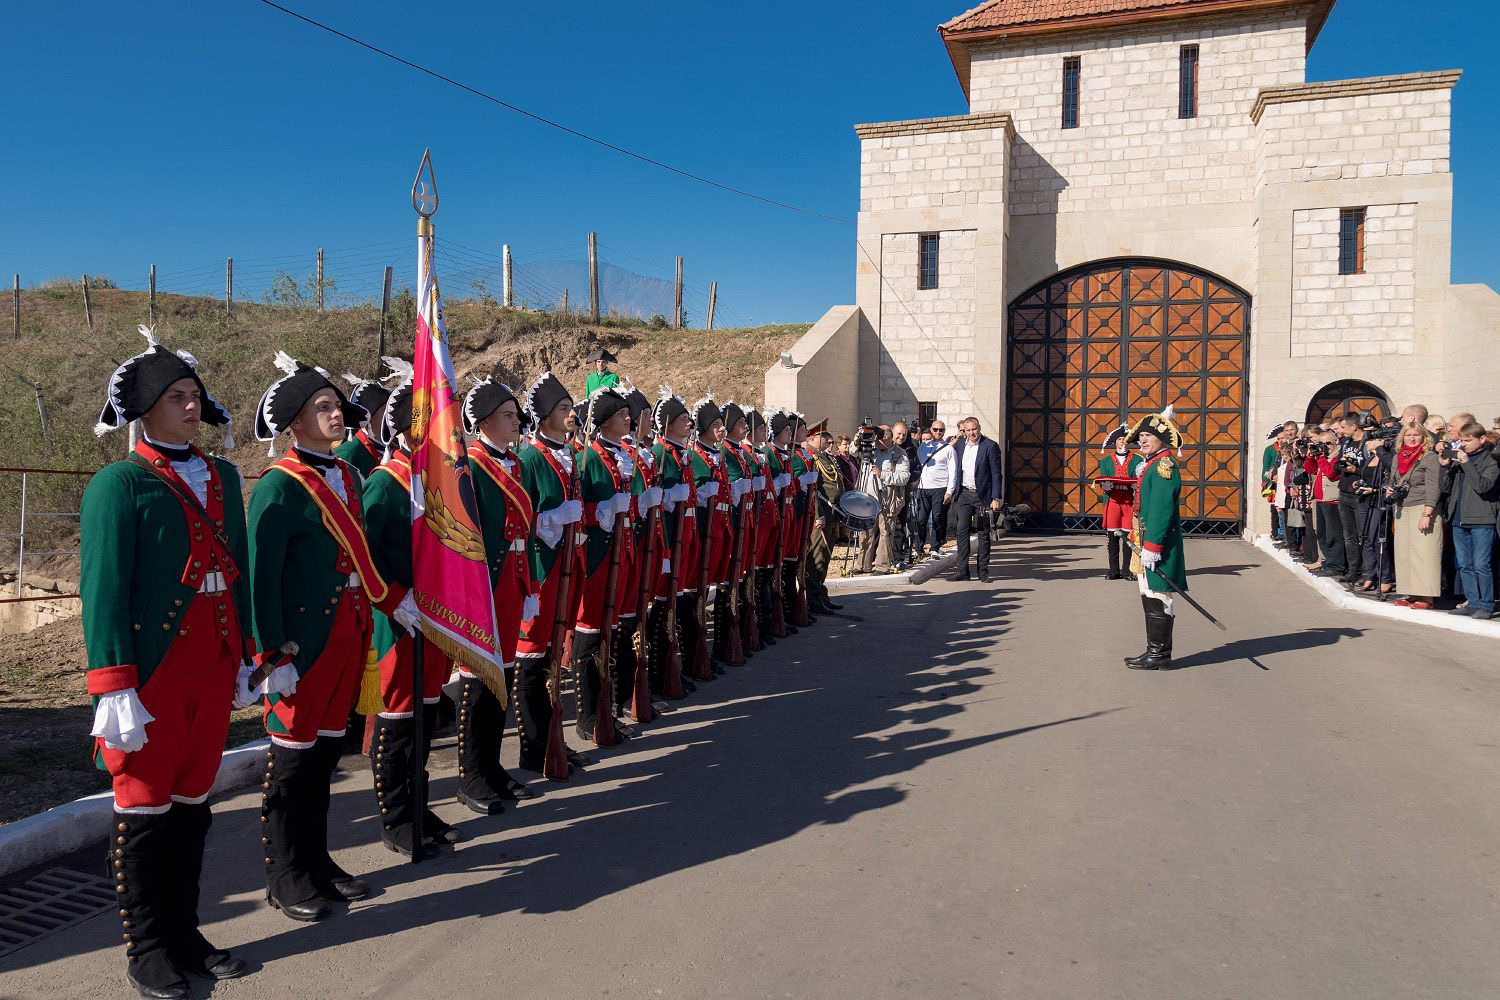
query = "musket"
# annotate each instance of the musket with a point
(702, 671)
(749, 613)
(734, 650)
(1173, 587)
(640, 698)
(778, 580)
(604, 656)
(671, 654)
(555, 762)
(801, 615)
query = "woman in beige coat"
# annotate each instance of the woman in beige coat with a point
(1419, 533)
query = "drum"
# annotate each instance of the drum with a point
(859, 510)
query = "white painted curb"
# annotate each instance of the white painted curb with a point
(1341, 598)
(916, 575)
(74, 825)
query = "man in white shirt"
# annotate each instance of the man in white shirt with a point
(936, 459)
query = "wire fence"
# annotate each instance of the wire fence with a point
(549, 280)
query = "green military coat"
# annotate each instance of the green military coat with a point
(547, 492)
(1157, 524)
(140, 552)
(360, 451)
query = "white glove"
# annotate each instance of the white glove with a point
(406, 614)
(243, 696)
(650, 497)
(282, 681)
(625, 464)
(569, 512)
(782, 481)
(604, 515)
(530, 608)
(680, 492)
(808, 478)
(666, 566)
(706, 493)
(1150, 559)
(121, 720)
(759, 483)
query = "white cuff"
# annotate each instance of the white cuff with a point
(530, 608)
(120, 719)
(406, 613)
(282, 681)
(650, 497)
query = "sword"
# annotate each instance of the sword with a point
(1173, 588)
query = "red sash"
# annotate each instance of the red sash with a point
(364, 439)
(517, 501)
(342, 522)
(399, 467)
(566, 480)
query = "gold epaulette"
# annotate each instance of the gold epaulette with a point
(1164, 467)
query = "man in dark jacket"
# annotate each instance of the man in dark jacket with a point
(1471, 481)
(974, 489)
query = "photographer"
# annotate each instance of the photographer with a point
(1473, 486)
(1351, 456)
(867, 452)
(1378, 557)
(900, 543)
(1322, 466)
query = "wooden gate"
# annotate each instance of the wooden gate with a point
(1106, 343)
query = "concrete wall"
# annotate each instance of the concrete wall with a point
(1351, 315)
(1471, 333)
(1131, 150)
(945, 176)
(825, 383)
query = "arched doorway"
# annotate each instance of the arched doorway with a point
(1347, 396)
(1105, 343)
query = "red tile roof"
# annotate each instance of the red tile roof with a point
(1015, 13)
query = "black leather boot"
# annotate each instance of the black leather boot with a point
(625, 665)
(1113, 547)
(585, 683)
(391, 764)
(290, 796)
(763, 606)
(138, 863)
(1158, 638)
(1134, 661)
(687, 639)
(721, 627)
(533, 709)
(187, 832)
(332, 881)
(434, 828)
(479, 721)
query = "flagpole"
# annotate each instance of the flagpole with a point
(424, 200)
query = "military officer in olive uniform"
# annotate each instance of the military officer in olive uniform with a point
(1157, 535)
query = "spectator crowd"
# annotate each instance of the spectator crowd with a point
(1405, 508)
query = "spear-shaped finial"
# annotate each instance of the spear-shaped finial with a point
(424, 192)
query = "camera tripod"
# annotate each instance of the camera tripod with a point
(1379, 519)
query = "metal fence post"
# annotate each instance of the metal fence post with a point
(21, 542)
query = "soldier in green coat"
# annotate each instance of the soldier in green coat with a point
(165, 624)
(365, 448)
(1157, 535)
(314, 586)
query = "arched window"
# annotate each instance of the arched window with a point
(1347, 396)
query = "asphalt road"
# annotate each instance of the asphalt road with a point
(961, 794)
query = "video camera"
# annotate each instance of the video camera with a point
(1381, 430)
(864, 440)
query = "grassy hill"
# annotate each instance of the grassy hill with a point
(58, 356)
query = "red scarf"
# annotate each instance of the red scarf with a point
(1407, 458)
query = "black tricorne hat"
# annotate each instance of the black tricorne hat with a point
(757, 419)
(485, 398)
(398, 405)
(704, 413)
(1159, 424)
(639, 403)
(603, 404)
(137, 384)
(733, 413)
(781, 420)
(601, 354)
(1109, 442)
(368, 393)
(543, 396)
(668, 409)
(1275, 431)
(280, 404)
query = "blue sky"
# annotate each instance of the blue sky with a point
(184, 132)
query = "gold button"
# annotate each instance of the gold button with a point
(178, 602)
(197, 563)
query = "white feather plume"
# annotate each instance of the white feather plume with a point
(399, 367)
(192, 362)
(285, 362)
(352, 379)
(149, 332)
(1167, 413)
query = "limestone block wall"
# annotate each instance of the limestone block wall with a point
(1130, 149)
(932, 163)
(823, 383)
(1388, 126)
(927, 349)
(1354, 314)
(1472, 334)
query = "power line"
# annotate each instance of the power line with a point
(547, 121)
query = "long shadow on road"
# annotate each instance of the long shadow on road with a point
(838, 719)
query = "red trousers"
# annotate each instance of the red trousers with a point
(396, 675)
(328, 688)
(190, 695)
(1118, 509)
(686, 559)
(768, 513)
(719, 538)
(791, 528)
(510, 600)
(536, 637)
(593, 591)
